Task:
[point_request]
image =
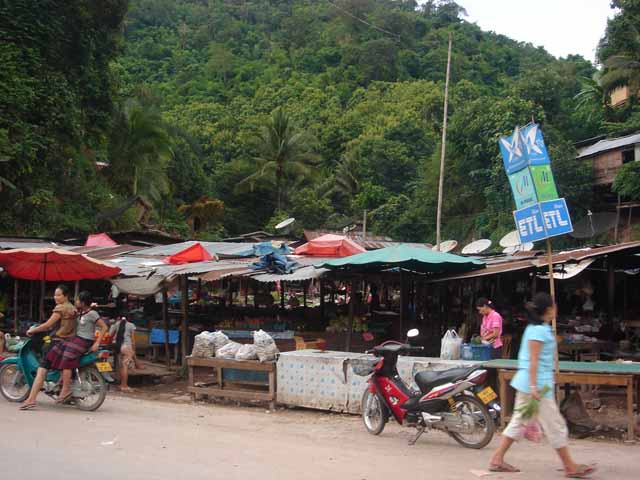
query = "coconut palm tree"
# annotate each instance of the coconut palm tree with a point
(345, 182)
(623, 68)
(285, 156)
(591, 97)
(139, 151)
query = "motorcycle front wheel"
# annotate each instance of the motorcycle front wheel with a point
(476, 415)
(374, 414)
(90, 390)
(13, 385)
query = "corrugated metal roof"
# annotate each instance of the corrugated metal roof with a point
(11, 244)
(510, 264)
(106, 253)
(610, 144)
(577, 255)
(221, 249)
(302, 274)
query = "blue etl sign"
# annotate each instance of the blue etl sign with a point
(556, 217)
(544, 220)
(530, 224)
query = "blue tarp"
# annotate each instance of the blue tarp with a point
(275, 263)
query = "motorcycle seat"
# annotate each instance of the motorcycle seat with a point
(427, 380)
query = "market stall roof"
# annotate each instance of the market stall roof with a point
(415, 259)
(100, 240)
(220, 249)
(330, 245)
(141, 286)
(501, 264)
(54, 265)
(302, 274)
(192, 254)
(368, 241)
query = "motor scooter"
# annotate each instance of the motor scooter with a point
(89, 387)
(454, 401)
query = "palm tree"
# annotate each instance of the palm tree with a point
(591, 95)
(284, 155)
(345, 182)
(139, 151)
(623, 68)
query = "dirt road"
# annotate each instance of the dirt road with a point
(143, 440)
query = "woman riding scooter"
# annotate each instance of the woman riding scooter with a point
(77, 338)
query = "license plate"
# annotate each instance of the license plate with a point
(487, 395)
(104, 367)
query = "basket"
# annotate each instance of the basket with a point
(363, 367)
(481, 352)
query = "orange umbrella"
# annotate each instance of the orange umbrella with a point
(100, 240)
(330, 246)
(54, 265)
(194, 253)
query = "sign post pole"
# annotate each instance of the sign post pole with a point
(552, 291)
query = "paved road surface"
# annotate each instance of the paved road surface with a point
(145, 440)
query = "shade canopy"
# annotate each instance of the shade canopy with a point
(415, 259)
(194, 253)
(330, 246)
(54, 265)
(100, 240)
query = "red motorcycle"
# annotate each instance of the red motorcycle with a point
(454, 401)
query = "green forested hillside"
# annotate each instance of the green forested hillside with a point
(333, 107)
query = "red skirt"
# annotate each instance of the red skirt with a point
(66, 355)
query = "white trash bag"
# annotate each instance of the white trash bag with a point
(203, 345)
(229, 350)
(450, 346)
(265, 346)
(247, 352)
(219, 340)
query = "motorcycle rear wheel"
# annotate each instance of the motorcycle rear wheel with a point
(374, 414)
(470, 405)
(13, 385)
(94, 388)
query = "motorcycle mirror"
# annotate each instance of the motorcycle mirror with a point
(414, 332)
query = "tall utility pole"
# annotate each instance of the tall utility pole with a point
(444, 144)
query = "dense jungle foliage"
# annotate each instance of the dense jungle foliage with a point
(238, 113)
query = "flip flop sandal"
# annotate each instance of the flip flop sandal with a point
(65, 400)
(584, 471)
(503, 468)
(28, 406)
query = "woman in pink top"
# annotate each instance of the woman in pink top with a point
(491, 329)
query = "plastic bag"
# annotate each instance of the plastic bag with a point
(229, 350)
(219, 340)
(247, 352)
(265, 346)
(203, 345)
(450, 346)
(533, 431)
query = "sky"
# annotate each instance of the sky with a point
(562, 27)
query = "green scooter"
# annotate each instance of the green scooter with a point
(89, 387)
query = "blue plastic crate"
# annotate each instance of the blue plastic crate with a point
(481, 352)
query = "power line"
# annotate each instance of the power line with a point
(362, 20)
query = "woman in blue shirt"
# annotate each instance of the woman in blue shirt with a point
(536, 361)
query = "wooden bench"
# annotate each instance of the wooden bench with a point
(233, 389)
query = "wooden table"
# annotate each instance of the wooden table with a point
(575, 348)
(578, 373)
(232, 389)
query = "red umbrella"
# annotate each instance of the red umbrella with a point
(54, 265)
(100, 240)
(330, 246)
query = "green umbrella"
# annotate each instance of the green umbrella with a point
(415, 259)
